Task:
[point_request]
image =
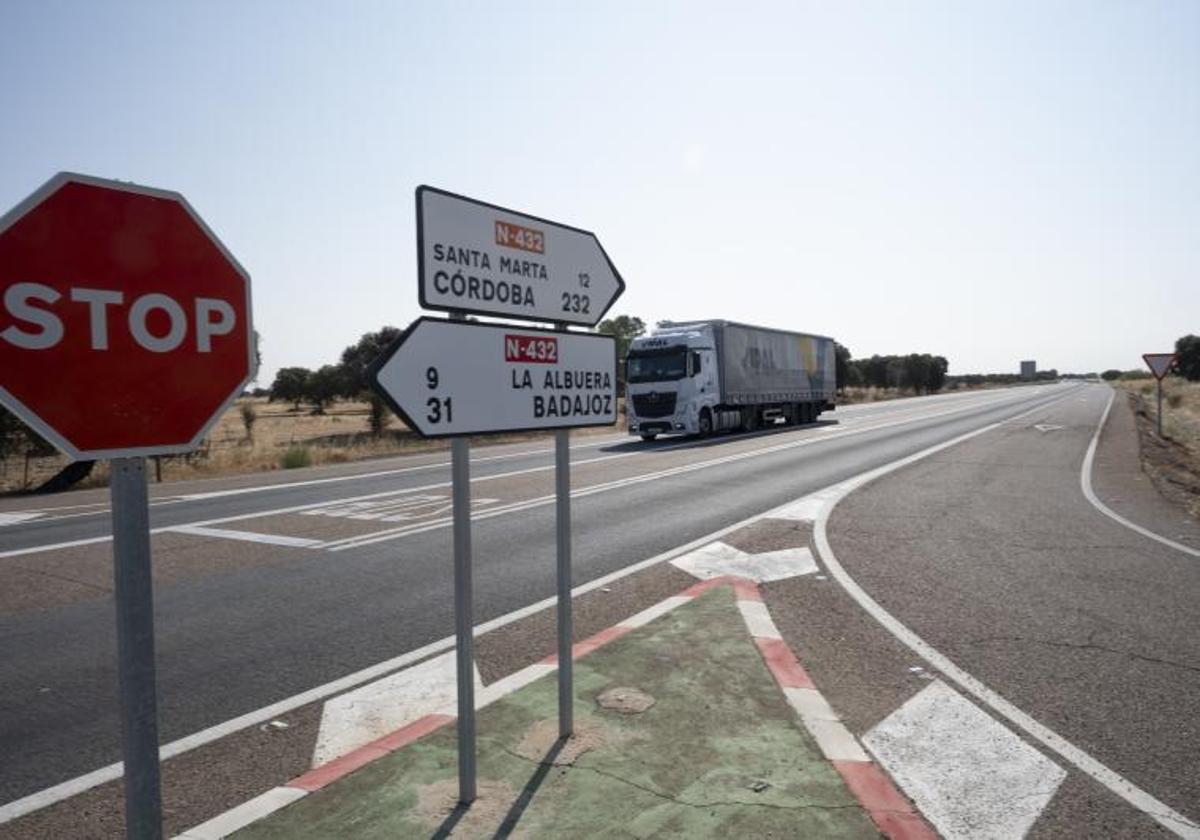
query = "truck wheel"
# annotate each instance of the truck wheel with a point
(650, 436)
(705, 423)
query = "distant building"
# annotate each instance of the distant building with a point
(1029, 370)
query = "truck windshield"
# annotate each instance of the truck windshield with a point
(657, 365)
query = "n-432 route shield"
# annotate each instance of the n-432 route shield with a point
(477, 257)
(447, 378)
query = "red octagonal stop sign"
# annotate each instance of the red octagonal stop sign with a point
(124, 323)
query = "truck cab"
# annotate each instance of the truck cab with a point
(670, 379)
(698, 377)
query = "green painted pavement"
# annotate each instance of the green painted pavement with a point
(719, 754)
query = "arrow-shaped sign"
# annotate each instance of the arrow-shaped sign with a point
(449, 378)
(1159, 363)
(477, 257)
(1048, 427)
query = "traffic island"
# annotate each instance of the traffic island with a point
(680, 730)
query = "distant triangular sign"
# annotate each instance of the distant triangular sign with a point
(1159, 363)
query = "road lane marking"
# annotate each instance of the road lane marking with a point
(238, 491)
(243, 815)
(246, 536)
(889, 407)
(406, 509)
(80, 784)
(102, 508)
(968, 775)
(1159, 811)
(398, 533)
(1004, 399)
(718, 559)
(371, 711)
(1085, 483)
(18, 516)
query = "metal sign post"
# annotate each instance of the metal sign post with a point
(1159, 413)
(464, 612)
(135, 648)
(451, 378)
(562, 492)
(1160, 366)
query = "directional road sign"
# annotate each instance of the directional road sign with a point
(455, 378)
(124, 323)
(1159, 363)
(477, 257)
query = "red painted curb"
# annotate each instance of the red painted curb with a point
(909, 826)
(872, 787)
(746, 590)
(331, 771)
(783, 664)
(887, 807)
(591, 643)
(703, 586)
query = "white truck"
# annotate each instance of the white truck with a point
(700, 377)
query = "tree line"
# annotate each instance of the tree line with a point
(923, 373)
(347, 379)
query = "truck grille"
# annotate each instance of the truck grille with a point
(654, 404)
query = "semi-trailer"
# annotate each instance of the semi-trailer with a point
(700, 377)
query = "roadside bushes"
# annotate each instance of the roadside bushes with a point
(295, 457)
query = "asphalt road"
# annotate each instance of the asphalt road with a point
(297, 583)
(990, 552)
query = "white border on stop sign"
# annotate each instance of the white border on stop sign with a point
(31, 419)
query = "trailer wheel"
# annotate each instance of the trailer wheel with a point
(806, 413)
(705, 423)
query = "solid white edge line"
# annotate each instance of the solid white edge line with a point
(252, 810)
(72, 787)
(1162, 813)
(1085, 483)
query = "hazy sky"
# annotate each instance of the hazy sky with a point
(990, 182)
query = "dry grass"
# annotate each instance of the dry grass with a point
(340, 435)
(1172, 461)
(1181, 408)
(866, 394)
